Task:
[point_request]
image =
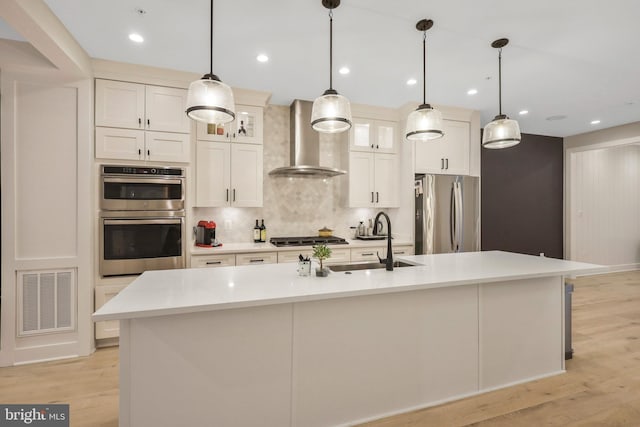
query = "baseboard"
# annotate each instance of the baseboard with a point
(107, 342)
(615, 269)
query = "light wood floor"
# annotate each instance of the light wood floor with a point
(601, 386)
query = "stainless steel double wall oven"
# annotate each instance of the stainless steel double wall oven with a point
(142, 220)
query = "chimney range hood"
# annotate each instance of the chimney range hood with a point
(304, 147)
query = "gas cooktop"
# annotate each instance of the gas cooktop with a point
(307, 241)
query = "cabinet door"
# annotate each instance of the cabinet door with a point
(213, 174)
(246, 175)
(387, 181)
(108, 328)
(247, 127)
(121, 144)
(361, 180)
(165, 109)
(455, 147)
(119, 104)
(429, 157)
(213, 132)
(386, 137)
(361, 135)
(167, 147)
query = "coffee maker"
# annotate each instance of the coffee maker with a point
(206, 234)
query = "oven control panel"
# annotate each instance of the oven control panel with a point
(136, 170)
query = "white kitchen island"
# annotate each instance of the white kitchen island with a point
(260, 346)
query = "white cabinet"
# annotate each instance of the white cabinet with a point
(447, 155)
(246, 128)
(108, 328)
(373, 180)
(373, 136)
(137, 106)
(228, 174)
(209, 261)
(141, 122)
(257, 258)
(367, 254)
(127, 144)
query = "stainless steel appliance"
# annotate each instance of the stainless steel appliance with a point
(142, 219)
(447, 214)
(307, 241)
(129, 188)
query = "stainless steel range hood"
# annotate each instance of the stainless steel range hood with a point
(304, 147)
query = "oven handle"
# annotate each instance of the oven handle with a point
(129, 221)
(143, 180)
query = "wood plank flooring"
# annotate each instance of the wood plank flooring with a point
(601, 386)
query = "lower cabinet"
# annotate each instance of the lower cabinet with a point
(338, 256)
(371, 253)
(208, 261)
(109, 328)
(257, 258)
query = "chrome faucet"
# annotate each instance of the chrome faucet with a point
(388, 261)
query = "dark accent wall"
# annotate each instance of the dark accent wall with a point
(522, 197)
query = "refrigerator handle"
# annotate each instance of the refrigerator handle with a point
(452, 218)
(459, 217)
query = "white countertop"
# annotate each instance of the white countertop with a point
(227, 248)
(166, 292)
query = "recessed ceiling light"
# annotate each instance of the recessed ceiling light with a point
(344, 70)
(595, 122)
(262, 58)
(472, 91)
(411, 82)
(135, 37)
(523, 112)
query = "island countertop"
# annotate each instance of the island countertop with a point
(167, 292)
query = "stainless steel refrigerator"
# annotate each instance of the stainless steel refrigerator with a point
(447, 214)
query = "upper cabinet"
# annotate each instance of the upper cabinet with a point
(141, 122)
(373, 136)
(447, 155)
(246, 128)
(137, 106)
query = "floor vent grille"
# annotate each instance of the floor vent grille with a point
(46, 301)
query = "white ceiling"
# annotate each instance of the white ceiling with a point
(573, 58)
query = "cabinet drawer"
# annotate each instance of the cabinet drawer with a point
(222, 260)
(402, 250)
(339, 256)
(292, 256)
(367, 254)
(257, 258)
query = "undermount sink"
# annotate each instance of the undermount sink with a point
(368, 266)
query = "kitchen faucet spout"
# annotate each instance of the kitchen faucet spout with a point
(388, 261)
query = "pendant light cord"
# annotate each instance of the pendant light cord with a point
(331, 49)
(211, 41)
(500, 81)
(424, 67)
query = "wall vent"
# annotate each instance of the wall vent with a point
(46, 302)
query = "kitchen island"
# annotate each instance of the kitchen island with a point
(259, 345)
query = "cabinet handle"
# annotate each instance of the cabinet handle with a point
(148, 153)
(368, 254)
(148, 122)
(234, 194)
(213, 262)
(371, 145)
(441, 163)
(139, 152)
(377, 197)
(398, 252)
(372, 197)
(227, 194)
(377, 146)
(256, 260)
(139, 122)
(447, 164)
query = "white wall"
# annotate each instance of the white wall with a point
(602, 206)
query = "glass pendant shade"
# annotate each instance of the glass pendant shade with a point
(424, 124)
(210, 101)
(331, 113)
(502, 132)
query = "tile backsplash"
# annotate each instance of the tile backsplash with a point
(293, 206)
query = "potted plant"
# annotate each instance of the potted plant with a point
(321, 252)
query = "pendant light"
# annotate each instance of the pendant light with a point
(502, 132)
(331, 112)
(209, 100)
(425, 122)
